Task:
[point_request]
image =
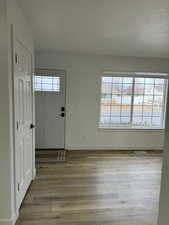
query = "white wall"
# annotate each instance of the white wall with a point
(164, 197)
(10, 13)
(83, 91)
(5, 163)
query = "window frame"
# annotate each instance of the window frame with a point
(164, 76)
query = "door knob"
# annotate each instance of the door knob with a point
(32, 126)
(62, 109)
(62, 114)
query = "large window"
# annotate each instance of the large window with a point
(133, 102)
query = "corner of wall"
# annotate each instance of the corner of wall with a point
(10, 221)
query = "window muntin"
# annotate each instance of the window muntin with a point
(47, 83)
(133, 102)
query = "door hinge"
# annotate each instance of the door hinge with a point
(17, 125)
(16, 58)
(18, 187)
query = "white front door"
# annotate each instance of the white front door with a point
(50, 109)
(23, 119)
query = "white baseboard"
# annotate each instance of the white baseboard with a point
(10, 221)
(86, 147)
(6, 222)
(15, 217)
(34, 174)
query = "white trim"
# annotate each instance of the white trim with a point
(114, 129)
(10, 221)
(34, 174)
(136, 74)
(110, 147)
(57, 72)
(164, 76)
(15, 217)
(15, 38)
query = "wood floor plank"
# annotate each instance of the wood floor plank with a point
(94, 188)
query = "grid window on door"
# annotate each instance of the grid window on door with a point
(133, 102)
(47, 83)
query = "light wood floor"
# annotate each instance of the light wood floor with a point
(94, 188)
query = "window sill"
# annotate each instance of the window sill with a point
(130, 129)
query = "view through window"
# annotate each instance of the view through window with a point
(47, 83)
(134, 102)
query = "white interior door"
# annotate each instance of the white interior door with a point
(23, 119)
(50, 109)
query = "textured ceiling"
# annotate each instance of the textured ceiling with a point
(109, 27)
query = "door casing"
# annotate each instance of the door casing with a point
(61, 74)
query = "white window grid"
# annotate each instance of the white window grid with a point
(151, 117)
(47, 83)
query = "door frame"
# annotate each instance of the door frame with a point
(65, 77)
(14, 36)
